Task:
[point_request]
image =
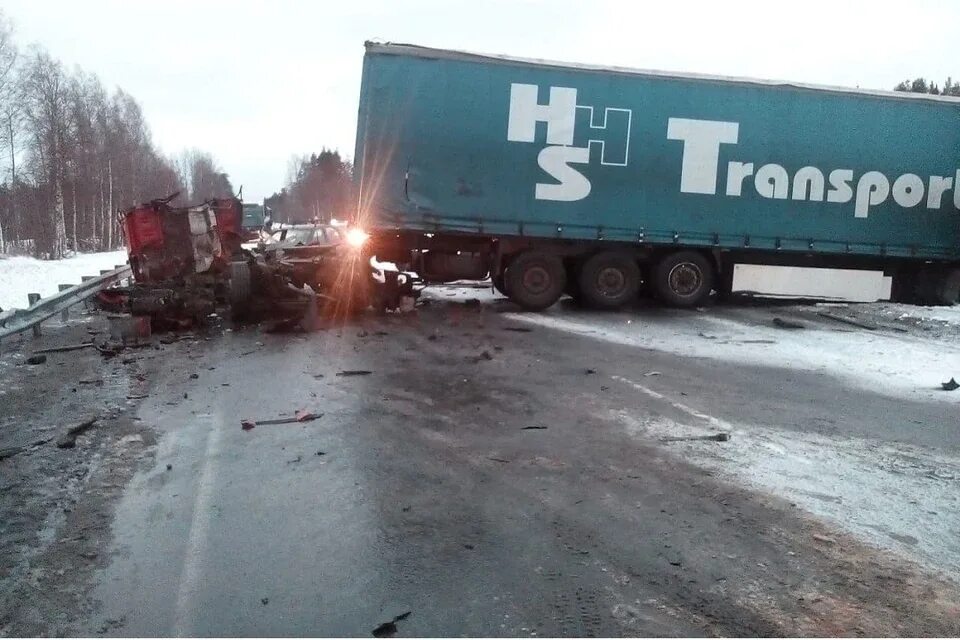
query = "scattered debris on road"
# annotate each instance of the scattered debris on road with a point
(389, 629)
(849, 321)
(69, 439)
(788, 324)
(485, 355)
(300, 415)
(950, 385)
(715, 437)
(69, 347)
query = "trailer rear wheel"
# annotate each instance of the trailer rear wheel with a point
(683, 279)
(608, 280)
(535, 279)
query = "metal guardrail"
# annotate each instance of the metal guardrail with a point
(18, 320)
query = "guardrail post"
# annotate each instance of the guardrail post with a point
(34, 298)
(65, 314)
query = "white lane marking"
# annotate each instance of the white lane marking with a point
(679, 406)
(199, 529)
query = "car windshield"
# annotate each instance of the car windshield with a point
(299, 236)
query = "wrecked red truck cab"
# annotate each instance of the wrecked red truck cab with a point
(165, 242)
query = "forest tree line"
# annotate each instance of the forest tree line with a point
(73, 154)
(319, 188)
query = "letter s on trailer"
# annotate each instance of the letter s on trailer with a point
(557, 178)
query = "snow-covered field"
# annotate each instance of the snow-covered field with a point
(21, 275)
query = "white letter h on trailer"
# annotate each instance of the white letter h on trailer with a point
(525, 112)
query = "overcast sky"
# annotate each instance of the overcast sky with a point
(257, 82)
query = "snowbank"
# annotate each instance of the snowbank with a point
(20, 275)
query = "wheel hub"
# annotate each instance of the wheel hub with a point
(536, 280)
(611, 282)
(685, 279)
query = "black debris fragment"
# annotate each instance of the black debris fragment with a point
(194, 376)
(950, 385)
(36, 359)
(533, 427)
(389, 629)
(715, 437)
(850, 321)
(69, 439)
(788, 324)
(69, 347)
(321, 453)
(354, 372)
(590, 371)
(518, 329)
(264, 601)
(169, 466)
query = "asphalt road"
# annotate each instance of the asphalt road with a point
(496, 477)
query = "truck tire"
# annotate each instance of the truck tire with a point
(499, 283)
(608, 280)
(240, 291)
(927, 287)
(573, 280)
(535, 279)
(683, 279)
(948, 293)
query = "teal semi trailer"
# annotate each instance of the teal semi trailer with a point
(600, 182)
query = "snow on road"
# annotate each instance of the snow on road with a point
(20, 275)
(907, 364)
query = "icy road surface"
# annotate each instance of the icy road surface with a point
(494, 473)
